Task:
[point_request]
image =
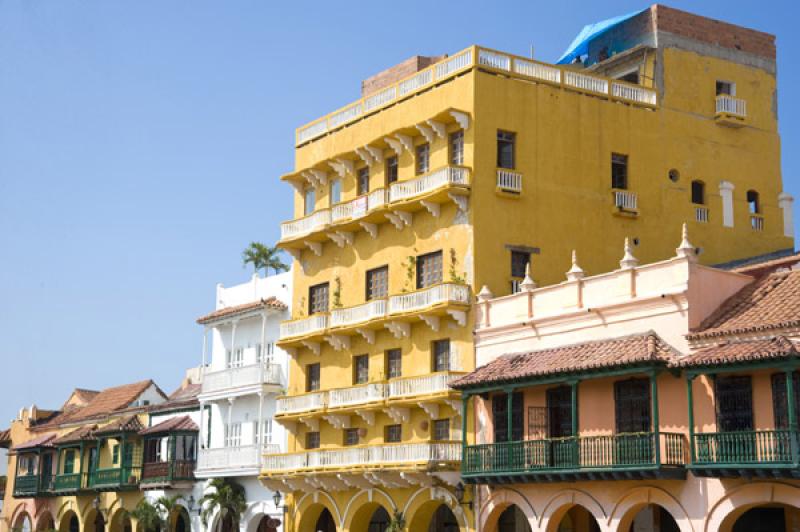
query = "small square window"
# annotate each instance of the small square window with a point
(429, 269)
(393, 433)
(423, 158)
(312, 440)
(377, 283)
(350, 437)
(726, 88)
(318, 298)
(441, 429)
(394, 363)
(519, 261)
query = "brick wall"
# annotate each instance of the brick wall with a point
(396, 73)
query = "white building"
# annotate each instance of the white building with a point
(241, 380)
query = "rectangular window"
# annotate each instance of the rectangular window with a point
(152, 450)
(632, 405)
(734, 400)
(698, 193)
(360, 369)
(362, 181)
(726, 88)
(392, 170)
(619, 171)
(506, 149)
(312, 440)
(266, 429)
(312, 377)
(377, 283)
(235, 358)
(69, 461)
(233, 435)
(336, 191)
(500, 416)
(423, 158)
(559, 412)
(780, 406)
(441, 355)
(350, 437)
(394, 363)
(318, 298)
(429, 269)
(631, 77)
(309, 200)
(393, 433)
(457, 148)
(519, 261)
(115, 454)
(441, 429)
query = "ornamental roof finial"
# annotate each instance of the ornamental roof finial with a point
(527, 283)
(628, 260)
(686, 250)
(576, 272)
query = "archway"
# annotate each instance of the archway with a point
(512, 519)
(69, 522)
(379, 521)
(45, 522)
(578, 519)
(369, 517)
(767, 518)
(653, 518)
(94, 522)
(443, 520)
(325, 522)
(120, 522)
(23, 523)
(265, 524)
(182, 522)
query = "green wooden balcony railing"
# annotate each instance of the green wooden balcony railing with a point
(114, 477)
(165, 472)
(747, 449)
(588, 454)
(26, 485)
(67, 482)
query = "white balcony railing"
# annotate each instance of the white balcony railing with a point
(428, 297)
(357, 395)
(625, 200)
(301, 403)
(285, 462)
(308, 224)
(301, 327)
(585, 82)
(251, 375)
(634, 93)
(757, 222)
(732, 106)
(494, 60)
(376, 199)
(449, 175)
(352, 209)
(423, 385)
(701, 214)
(509, 181)
(358, 314)
(537, 70)
(246, 456)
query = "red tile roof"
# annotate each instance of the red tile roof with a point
(175, 424)
(125, 424)
(227, 312)
(586, 356)
(45, 440)
(182, 398)
(772, 302)
(78, 435)
(757, 269)
(5, 437)
(742, 351)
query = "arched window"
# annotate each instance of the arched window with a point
(698, 193)
(752, 202)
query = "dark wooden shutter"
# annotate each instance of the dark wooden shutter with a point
(779, 404)
(734, 398)
(632, 405)
(559, 412)
(500, 417)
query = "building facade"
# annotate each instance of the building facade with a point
(659, 397)
(454, 173)
(243, 372)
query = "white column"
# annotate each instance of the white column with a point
(785, 203)
(205, 351)
(233, 338)
(726, 191)
(263, 341)
(203, 438)
(260, 428)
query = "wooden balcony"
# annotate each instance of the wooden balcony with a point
(760, 453)
(614, 457)
(167, 474)
(68, 483)
(114, 478)
(730, 111)
(26, 486)
(243, 379)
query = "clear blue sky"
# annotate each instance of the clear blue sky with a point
(141, 144)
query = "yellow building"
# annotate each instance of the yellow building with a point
(453, 173)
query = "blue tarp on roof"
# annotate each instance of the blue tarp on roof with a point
(580, 45)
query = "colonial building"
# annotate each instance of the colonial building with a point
(455, 172)
(245, 373)
(660, 397)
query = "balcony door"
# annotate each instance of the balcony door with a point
(500, 417)
(633, 442)
(734, 404)
(560, 448)
(429, 269)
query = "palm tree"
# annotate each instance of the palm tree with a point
(148, 516)
(228, 499)
(263, 257)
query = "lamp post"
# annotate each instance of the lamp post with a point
(460, 491)
(276, 498)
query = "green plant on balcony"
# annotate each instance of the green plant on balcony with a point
(411, 268)
(301, 308)
(228, 499)
(263, 257)
(337, 292)
(397, 523)
(454, 277)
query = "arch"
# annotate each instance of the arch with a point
(120, 521)
(316, 501)
(632, 501)
(22, 521)
(69, 521)
(419, 508)
(501, 499)
(354, 514)
(253, 514)
(179, 519)
(561, 503)
(45, 521)
(94, 522)
(724, 512)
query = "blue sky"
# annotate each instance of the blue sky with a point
(141, 144)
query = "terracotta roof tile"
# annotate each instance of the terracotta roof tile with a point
(616, 352)
(743, 351)
(771, 302)
(106, 402)
(125, 424)
(227, 312)
(45, 440)
(184, 397)
(175, 424)
(78, 435)
(5, 436)
(759, 268)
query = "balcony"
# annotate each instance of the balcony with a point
(756, 222)
(315, 324)
(231, 460)
(26, 486)
(427, 186)
(427, 298)
(114, 478)
(770, 453)
(167, 473)
(306, 402)
(617, 457)
(730, 111)
(625, 202)
(357, 395)
(701, 214)
(435, 383)
(509, 182)
(348, 317)
(68, 483)
(305, 226)
(241, 379)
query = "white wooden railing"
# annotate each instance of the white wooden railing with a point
(301, 327)
(494, 60)
(308, 224)
(423, 385)
(732, 106)
(701, 214)
(301, 403)
(537, 70)
(352, 209)
(372, 455)
(625, 200)
(284, 462)
(356, 395)
(757, 222)
(586, 82)
(253, 374)
(358, 314)
(633, 93)
(376, 199)
(427, 297)
(449, 175)
(245, 456)
(509, 181)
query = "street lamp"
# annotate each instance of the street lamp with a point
(276, 498)
(460, 491)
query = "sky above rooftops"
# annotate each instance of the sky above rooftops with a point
(141, 144)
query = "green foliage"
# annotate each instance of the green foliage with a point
(411, 269)
(454, 277)
(337, 292)
(227, 498)
(154, 516)
(397, 522)
(263, 257)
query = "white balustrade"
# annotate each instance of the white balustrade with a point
(757, 222)
(494, 60)
(732, 106)
(537, 70)
(245, 456)
(380, 98)
(509, 181)
(301, 403)
(358, 314)
(349, 210)
(415, 82)
(372, 455)
(251, 375)
(585, 82)
(285, 462)
(625, 200)
(356, 395)
(449, 175)
(634, 93)
(422, 385)
(376, 199)
(312, 131)
(308, 224)
(701, 214)
(348, 114)
(453, 64)
(312, 324)
(427, 297)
